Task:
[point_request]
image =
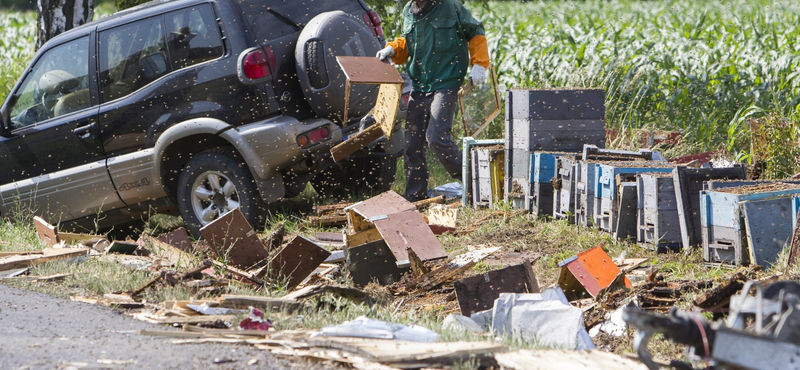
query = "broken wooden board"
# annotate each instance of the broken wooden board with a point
(266, 304)
(441, 215)
(242, 274)
(330, 237)
(110, 300)
(362, 237)
(408, 229)
(396, 352)
(47, 255)
(478, 293)
(373, 261)
(178, 238)
(356, 142)
(295, 261)
(122, 247)
(327, 221)
(175, 256)
(232, 238)
(555, 359)
(363, 214)
(47, 233)
(349, 293)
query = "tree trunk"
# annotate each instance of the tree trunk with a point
(57, 16)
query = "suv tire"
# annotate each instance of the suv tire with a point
(213, 183)
(359, 175)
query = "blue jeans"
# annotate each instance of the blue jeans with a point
(429, 122)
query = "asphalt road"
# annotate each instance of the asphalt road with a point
(38, 331)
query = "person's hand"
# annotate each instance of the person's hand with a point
(477, 75)
(385, 53)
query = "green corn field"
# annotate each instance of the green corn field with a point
(704, 67)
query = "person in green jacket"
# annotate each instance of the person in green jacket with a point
(440, 40)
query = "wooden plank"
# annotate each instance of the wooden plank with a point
(295, 261)
(385, 111)
(240, 273)
(356, 142)
(264, 303)
(362, 237)
(326, 221)
(443, 216)
(408, 229)
(399, 352)
(330, 237)
(47, 233)
(232, 238)
(175, 256)
(18, 253)
(555, 359)
(194, 320)
(48, 255)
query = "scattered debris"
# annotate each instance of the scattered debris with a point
(363, 327)
(255, 321)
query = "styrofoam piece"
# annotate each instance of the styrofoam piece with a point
(455, 321)
(363, 327)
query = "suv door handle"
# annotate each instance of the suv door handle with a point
(85, 131)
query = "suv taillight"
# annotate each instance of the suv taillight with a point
(259, 63)
(373, 20)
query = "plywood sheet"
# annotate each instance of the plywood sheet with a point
(296, 260)
(408, 229)
(232, 238)
(368, 70)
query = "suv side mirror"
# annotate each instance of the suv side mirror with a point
(6, 121)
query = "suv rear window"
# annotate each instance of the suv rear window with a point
(133, 55)
(270, 21)
(193, 36)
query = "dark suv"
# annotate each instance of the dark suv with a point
(199, 106)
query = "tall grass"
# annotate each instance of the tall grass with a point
(686, 65)
(17, 40)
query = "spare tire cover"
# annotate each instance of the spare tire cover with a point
(327, 36)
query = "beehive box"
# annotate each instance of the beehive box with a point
(728, 214)
(659, 225)
(547, 120)
(543, 170)
(564, 187)
(573, 198)
(487, 174)
(607, 176)
(466, 166)
(688, 183)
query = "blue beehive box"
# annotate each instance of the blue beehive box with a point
(543, 170)
(606, 203)
(747, 224)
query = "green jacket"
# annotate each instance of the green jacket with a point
(437, 39)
